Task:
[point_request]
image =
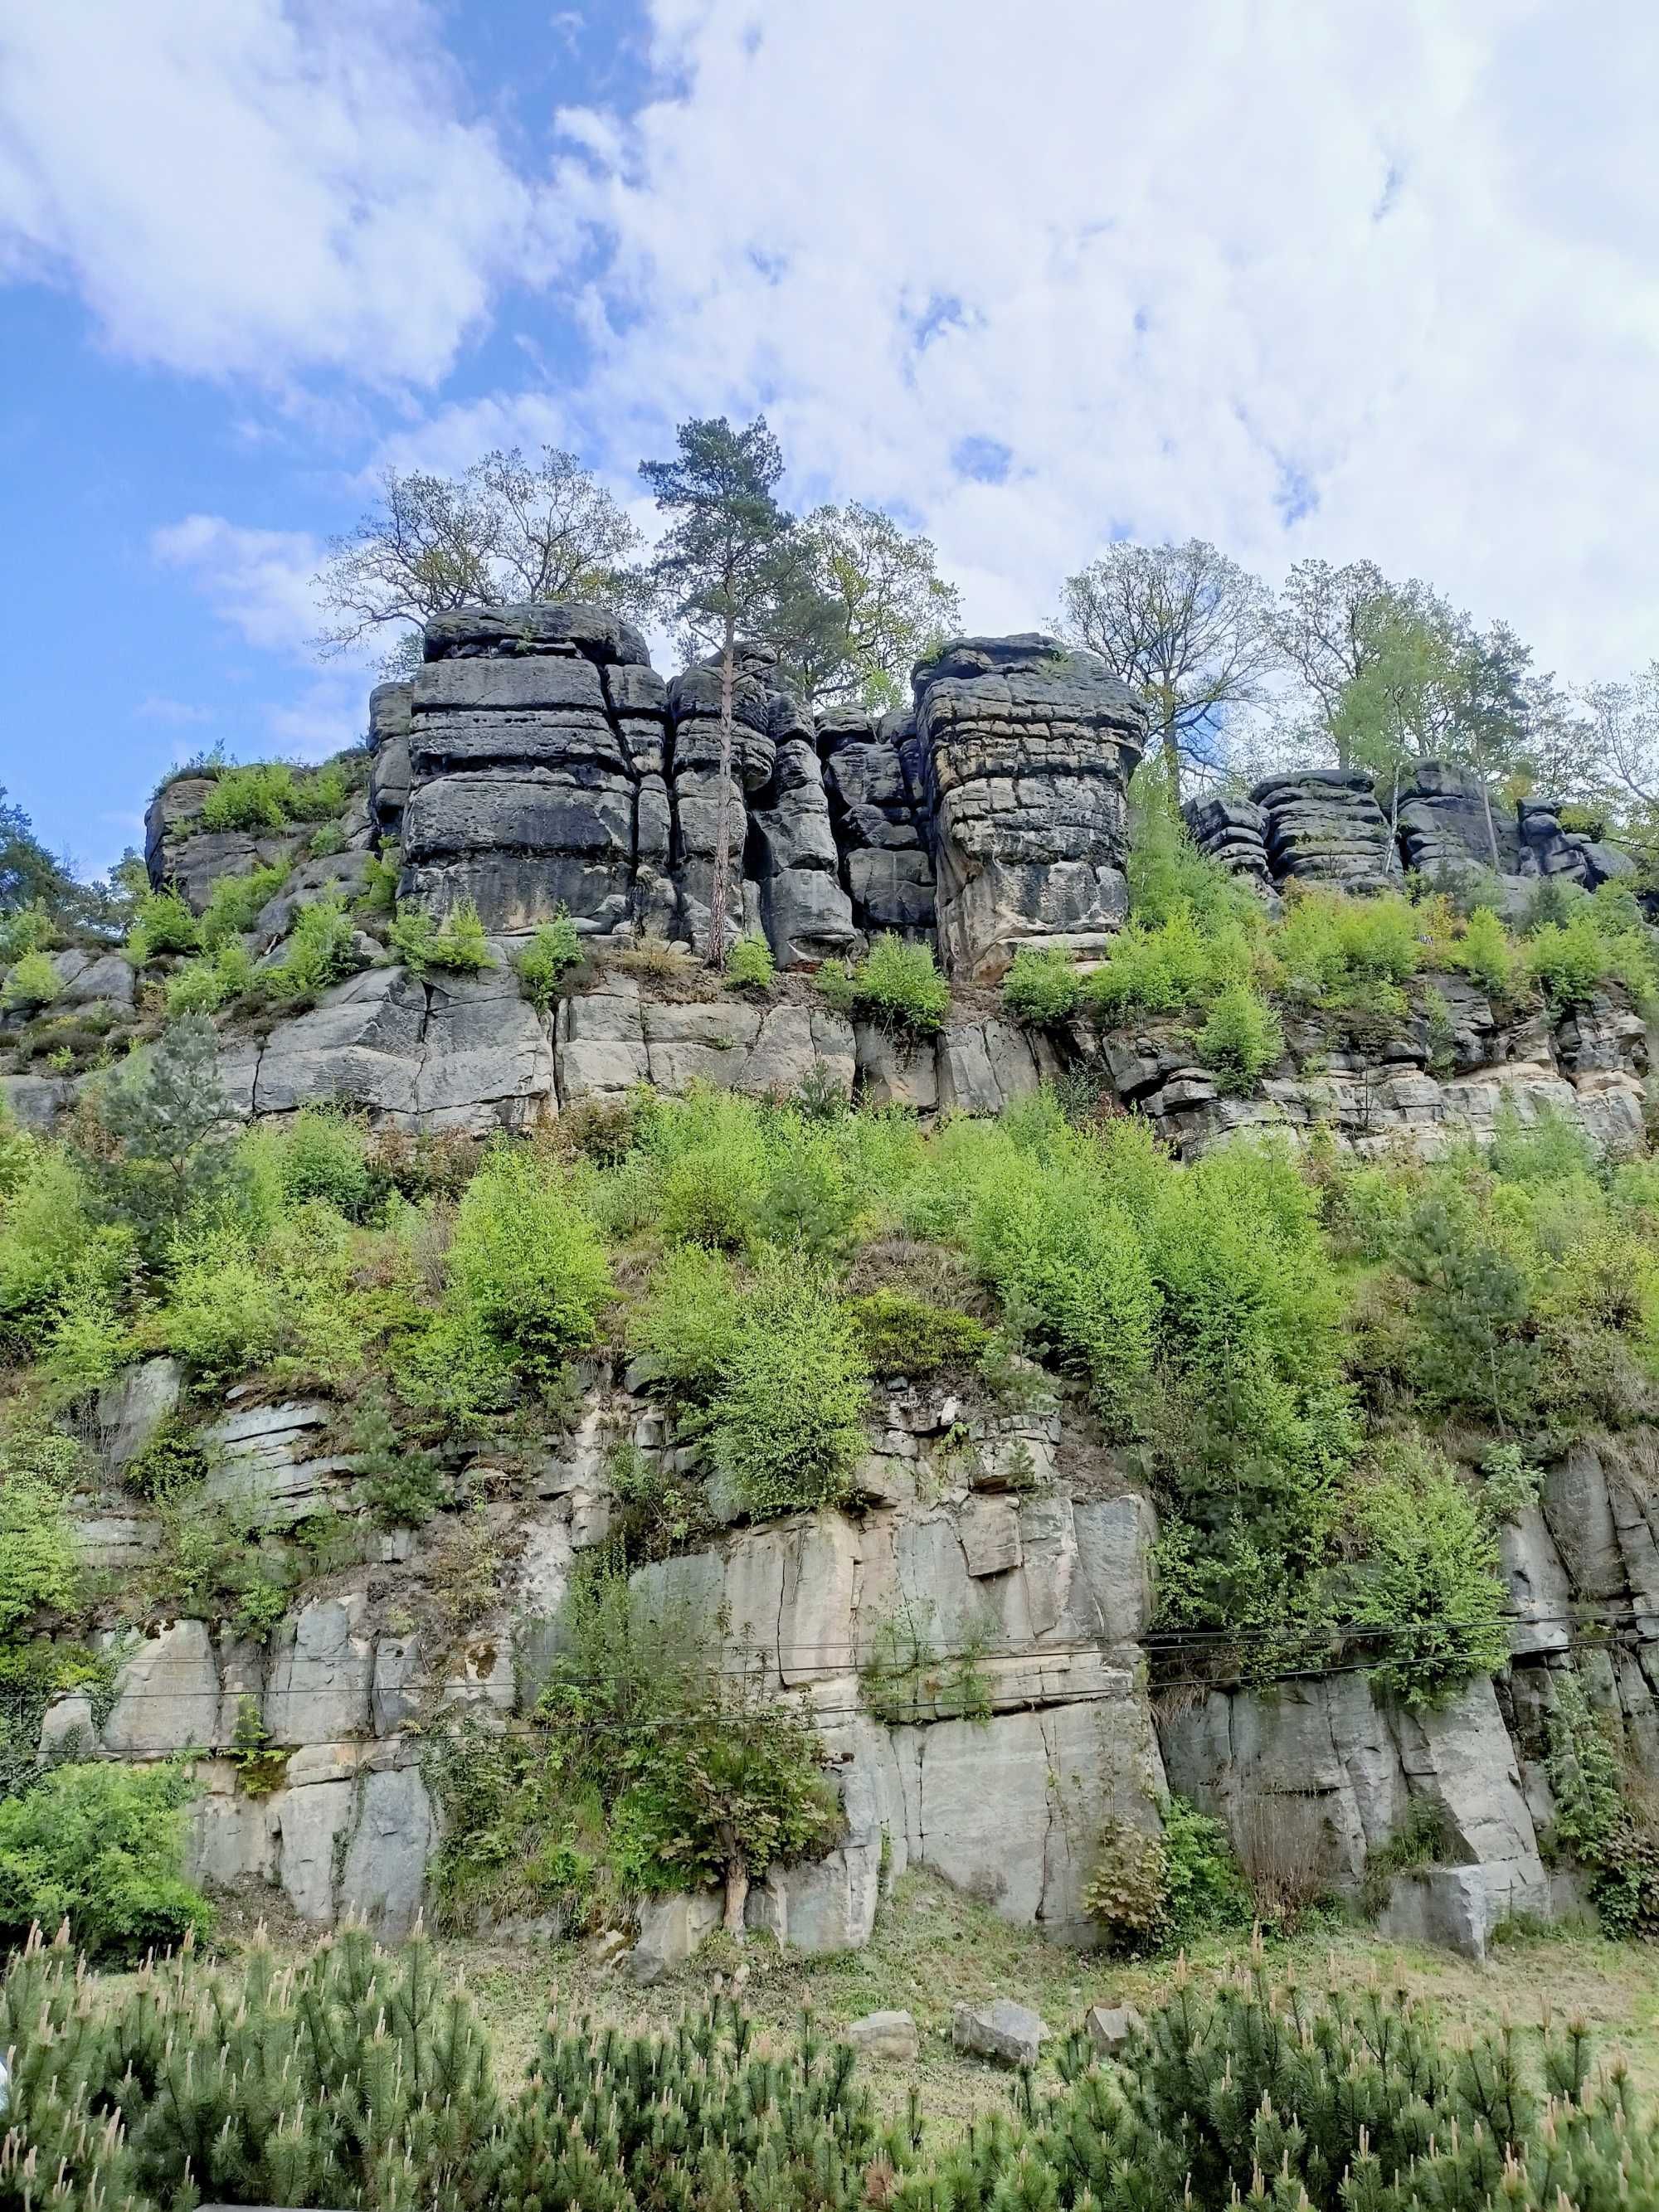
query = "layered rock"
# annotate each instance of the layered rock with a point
(883, 821)
(1027, 749)
(1323, 825)
(1233, 831)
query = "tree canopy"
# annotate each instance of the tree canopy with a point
(509, 529)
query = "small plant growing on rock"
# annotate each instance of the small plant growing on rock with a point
(1042, 989)
(164, 924)
(172, 1461)
(458, 946)
(904, 1335)
(896, 986)
(1511, 1483)
(32, 982)
(749, 965)
(259, 1768)
(319, 951)
(548, 958)
(1240, 1038)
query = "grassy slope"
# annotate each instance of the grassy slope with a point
(934, 1949)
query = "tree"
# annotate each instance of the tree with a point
(860, 601)
(719, 569)
(164, 1126)
(28, 874)
(1622, 739)
(1182, 625)
(505, 530)
(1320, 629)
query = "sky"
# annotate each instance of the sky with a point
(1379, 280)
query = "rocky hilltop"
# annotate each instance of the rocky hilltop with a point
(537, 768)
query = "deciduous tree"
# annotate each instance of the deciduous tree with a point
(859, 602)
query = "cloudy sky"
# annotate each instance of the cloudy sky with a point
(1379, 279)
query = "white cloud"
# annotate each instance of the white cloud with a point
(266, 187)
(260, 581)
(1380, 280)
(178, 714)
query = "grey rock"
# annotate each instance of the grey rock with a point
(67, 1726)
(1011, 2034)
(133, 1406)
(561, 626)
(1109, 2027)
(384, 1876)
(895, 1071)
(671, 1930)
(311, 1823)
(36, 1102)
(321, 1674)
(166, 1695)
(889, 2036)
(88, 980)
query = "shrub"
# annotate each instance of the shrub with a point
(1240, 1038)
(102, 1847)
(31, 981)
(749, 965)
(1593, 1819)
(895, 985)
(526, 1265)
(39, 1569)
(1042, 988)
(202, 986)
(172, 1461)
(548, 958)
(1204, 1886)
(903, 1334)
(1128, 1895)
(250, 798)
(320, 952)
(1488, 956)
(456, 946)
(225, 1315)
(235, 903)
(28, 930)
(323, 1155)
(688, 1320)
(908, 1678)
(1509, 1484)
(786, 1423)
(325, 842)
(1430, 1582)
(163, 924)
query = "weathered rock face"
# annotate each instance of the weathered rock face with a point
(1233, 831)
(1324, 826)
(883, 819)
(1027, 750)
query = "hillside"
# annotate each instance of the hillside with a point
(1106, 1358)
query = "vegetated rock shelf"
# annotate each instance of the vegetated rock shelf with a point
(1096, 1317)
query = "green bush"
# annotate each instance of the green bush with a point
(32, 980)
(101, 1846)
(1488, 956)
(526, 1265)
(687, 1323)
(1242, 1038)
(1126, 1897)
(251, 799)
(38, 1567)
(903, 1334)
(749, 965)
(1204, 1890)
(172, 1461)
(1042, 989)
(325, 841)
(895, 985)
(202, 986)
(549, 957)
(1165, 966)
(786, 1424)
(456, 946)
(30, 929)
(163, 924)
(319, 952)
(235, 903)
(1430, 1584)
(320, 1155)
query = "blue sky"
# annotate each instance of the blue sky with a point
(1382, 280)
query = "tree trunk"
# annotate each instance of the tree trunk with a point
(716, 953)
(1171, 755)
(1492, 827)
(737, 1885)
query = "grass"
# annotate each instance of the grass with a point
(934, 1949)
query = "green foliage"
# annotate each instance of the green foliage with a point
(1431, 1580)
(163, 923)
(1509, 1484)
(101, 1846)
(202, 985)
(1593, 1819)
(1335, 951)
(319, 952)
(895, 985)
(325, 841)
(402, 1483)
(456, 946)
(1128, 1894)
(28, 929)
(260, 1768)
(267, 795)
(785, 1421)
(1488, 956)
(686, 1323)
(903, 1334)
(172, 1461)
(377, 900)
(166, 1127)
(38, 1566)
(1204, 1890)
(909, 1676)
(1242, 1038)
(32, 980)
(1042, 989)
(31, 1675)
(1418, 1841)
(526, 1269)
(749, 965)
(235, 903)
(549, 957)
(1169, 876)
(1167, 966)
